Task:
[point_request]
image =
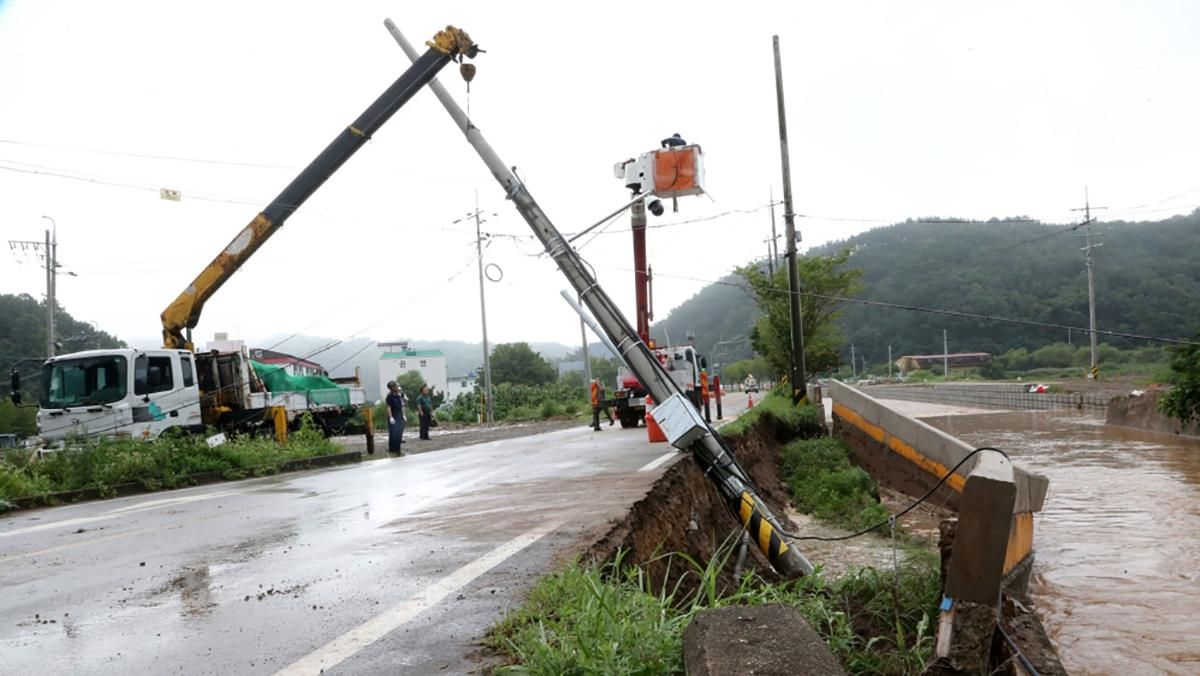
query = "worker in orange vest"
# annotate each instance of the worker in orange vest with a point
(599, 402)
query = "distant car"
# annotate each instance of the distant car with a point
(1037, 389)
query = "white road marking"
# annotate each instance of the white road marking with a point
(120, 511)
(659, 461)
(348, 644)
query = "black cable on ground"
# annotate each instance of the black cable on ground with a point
(906, 510)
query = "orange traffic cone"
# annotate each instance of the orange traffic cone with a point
(653, 430)
(749, 400)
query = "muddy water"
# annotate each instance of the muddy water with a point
(1118, 544)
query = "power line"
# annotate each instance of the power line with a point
(927, 310)
(149, 156)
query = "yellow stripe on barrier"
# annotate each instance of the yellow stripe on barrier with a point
(899, 447)
(1020, 540)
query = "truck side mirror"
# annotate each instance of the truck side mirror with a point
(16, 387)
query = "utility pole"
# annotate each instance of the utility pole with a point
(853, 362)
(945, 356)
(889, 362)
(48, 250)
(1094, 371)
(770, 258)
(799, 390)
(487, 361)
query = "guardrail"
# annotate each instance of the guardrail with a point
(1011, 396)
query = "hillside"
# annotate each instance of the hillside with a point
(1147, 282)
(23, 333)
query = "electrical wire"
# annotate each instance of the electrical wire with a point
(148, 156)
(927, 310)
(906, 510)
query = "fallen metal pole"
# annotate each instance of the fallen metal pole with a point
(709, 451)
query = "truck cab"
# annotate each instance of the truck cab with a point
(122, 393)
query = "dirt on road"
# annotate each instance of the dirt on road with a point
(452, 436)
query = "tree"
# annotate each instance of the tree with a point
(411, 383)
(517, 363)
(21, 421)
(824, 280)
(1183, 400)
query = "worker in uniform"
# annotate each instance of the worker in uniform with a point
(598, 402)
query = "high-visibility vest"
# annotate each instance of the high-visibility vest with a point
(595, 394)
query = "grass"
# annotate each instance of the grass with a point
(590, 620)
(824, 483)
(167, 462)
(803, 421)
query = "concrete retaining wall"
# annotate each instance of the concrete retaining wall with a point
(1141, 413)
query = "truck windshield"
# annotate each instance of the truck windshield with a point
(84, 382)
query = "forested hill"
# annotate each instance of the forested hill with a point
(1147, 282)
(23, 333)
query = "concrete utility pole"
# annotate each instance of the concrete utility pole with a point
(487, 360)
(945, 356)
(1094, 371)
(770, 258)
(798, 378)
(48, 249)
(889, 362)
(853, 362)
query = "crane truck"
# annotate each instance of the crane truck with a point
(675, 170)
(142, 393)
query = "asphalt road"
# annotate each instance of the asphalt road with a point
(396, 566)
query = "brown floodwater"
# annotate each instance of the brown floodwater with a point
(1118, 542)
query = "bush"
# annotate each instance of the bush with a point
(825, 484)
(551, 409)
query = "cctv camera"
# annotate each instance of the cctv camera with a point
(656, 207)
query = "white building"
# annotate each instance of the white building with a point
(397, 359)
(461, 385)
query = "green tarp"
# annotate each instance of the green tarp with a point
(320, 390)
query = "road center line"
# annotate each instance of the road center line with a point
(659, 461)
(118, 512)
(348, 644)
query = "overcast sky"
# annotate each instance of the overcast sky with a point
(895, 110)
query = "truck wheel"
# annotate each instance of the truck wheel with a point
(629, 421)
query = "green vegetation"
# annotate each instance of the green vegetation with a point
(828, 278)
(19, 420)
(164, 463)
(1183, 400)
(518, 364)
(515, 403)
(824, 483)
(802, 422)
(589, 620)
(735, 373)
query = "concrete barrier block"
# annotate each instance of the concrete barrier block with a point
(767, 640)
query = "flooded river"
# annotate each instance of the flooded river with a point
(1118, 544)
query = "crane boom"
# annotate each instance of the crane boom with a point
(184, 312)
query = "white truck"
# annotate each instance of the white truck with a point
(140, 394)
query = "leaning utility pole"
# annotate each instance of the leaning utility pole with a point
(799, 391)
(1094, 371)
(487, 363)
(705, 444)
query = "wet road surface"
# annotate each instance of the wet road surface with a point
(396, 566)
(1118, 544)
